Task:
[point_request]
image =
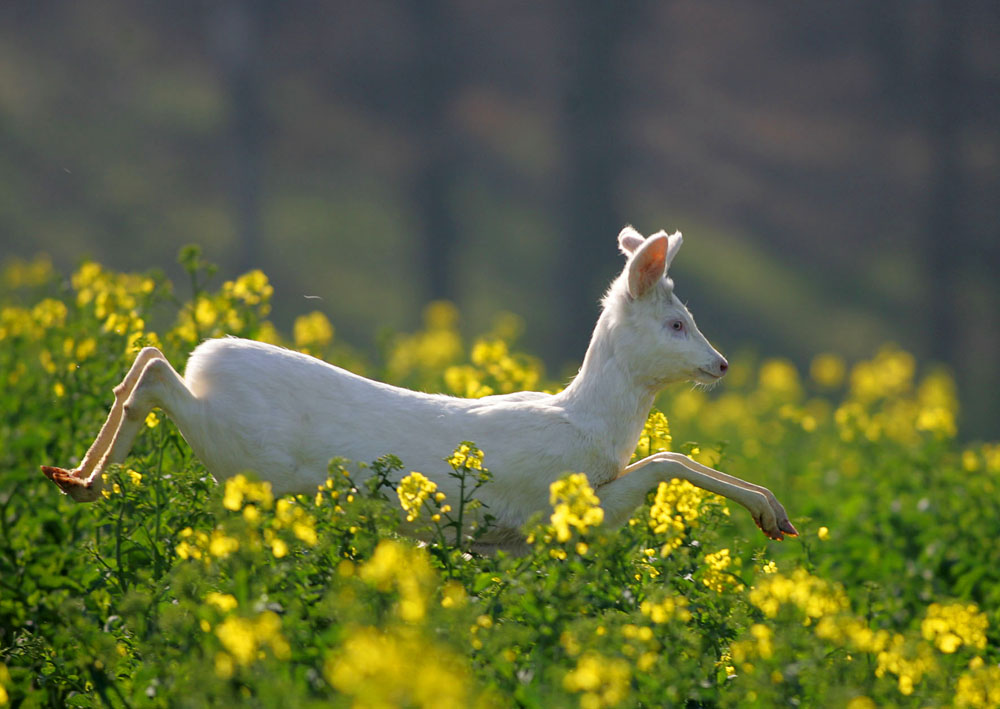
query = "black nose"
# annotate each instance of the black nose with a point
(723, 366)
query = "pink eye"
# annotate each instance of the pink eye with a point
(677, 325)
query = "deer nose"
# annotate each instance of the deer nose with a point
(723, 366)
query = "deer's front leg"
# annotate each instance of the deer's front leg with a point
(622, 495)
(779, 510)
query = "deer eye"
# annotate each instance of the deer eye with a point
(677, 325)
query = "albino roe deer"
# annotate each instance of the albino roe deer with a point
(248, 406)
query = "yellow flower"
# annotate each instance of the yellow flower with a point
(676, 506)
(823, 533)
(779, 377)
(224, 666)
(252, 288)
(466, 381)
(305, 532)
(239, 489)
(49, 313)
(453, 595)
(413, 490)
(574, 506)
(243, 638)
(86, 348)
(4, 681)
(26, 274)
(810, 594)
(225, 602)
(237, 636)
(603, 681)
(655, 436)
(665, 610)
(466, 456)
(828, 370)
(953, 625)
(889, 374)
(980, 687)
(220, 546)
(312, 330)
(716, 576)
(394, 566)
(396, 669)
(279, 548)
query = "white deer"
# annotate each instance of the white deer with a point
(249, 406)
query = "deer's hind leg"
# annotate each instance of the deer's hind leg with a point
(150, 382)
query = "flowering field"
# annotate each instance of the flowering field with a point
(172, 590)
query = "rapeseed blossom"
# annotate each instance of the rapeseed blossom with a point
(245, 638)
(575, 506)
(828, 370)
(205, 546)
(812, 595)
(395, 668)
(225, 602)
(666, 609)
(979, 688)
(252, 288)
(655, 436)
(676, 506)
(397, 567)
(413, 490)
(4, 682)
(18, 273)
(236, 306)
(950, 626)
(466, 456)
(312, 331)
(908, 661)
(779, 378)
(240, 491)
(602, 681)
(424, 354)
(717, 575)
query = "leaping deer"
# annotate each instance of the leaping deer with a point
(248, 406)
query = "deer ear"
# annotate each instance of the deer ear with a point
(648, 265)
(629, 240)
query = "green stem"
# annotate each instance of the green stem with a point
(119, 526)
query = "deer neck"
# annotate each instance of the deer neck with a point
(605, 399)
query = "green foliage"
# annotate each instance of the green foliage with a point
(173, 590)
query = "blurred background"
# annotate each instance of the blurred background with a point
(835, 167)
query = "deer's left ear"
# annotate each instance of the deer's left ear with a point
(648, 265)
(629, 240)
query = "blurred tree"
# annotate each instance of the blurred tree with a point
(433, 83)
(596, 150)
(239, 28)
(946, 239)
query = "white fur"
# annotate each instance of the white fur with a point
(245, 405)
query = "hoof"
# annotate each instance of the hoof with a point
(788, 528)
(79, 489)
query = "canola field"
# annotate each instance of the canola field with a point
(175, 591)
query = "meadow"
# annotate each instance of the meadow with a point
(173, 590)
